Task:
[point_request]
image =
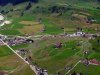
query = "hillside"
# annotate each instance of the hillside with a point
(4, 2)
(58, 37)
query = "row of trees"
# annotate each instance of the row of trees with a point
(52, 9)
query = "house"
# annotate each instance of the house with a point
(22, 51)
(58, 45)
(86, 62)
(80, 33)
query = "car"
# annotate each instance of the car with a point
(45, 70)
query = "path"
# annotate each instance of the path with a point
(82, 49)
(73, 67)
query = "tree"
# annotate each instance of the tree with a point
(28, 6)
(74, 73)
(81, 73)
(22, 14)
(98, 41)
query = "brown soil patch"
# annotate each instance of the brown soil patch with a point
(32, 29)
(29, 22)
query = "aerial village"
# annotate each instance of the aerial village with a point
(58, 43)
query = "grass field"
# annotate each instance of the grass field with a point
(96, 49)
(31, 27)
(24, 70)
(90, 70)
(56, 59)
(5, 51)
(12, 64)
(46, 56)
